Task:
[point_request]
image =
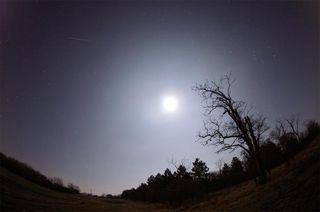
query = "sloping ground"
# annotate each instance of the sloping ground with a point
(18, 194)
(293, 187)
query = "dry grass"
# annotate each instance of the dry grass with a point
(18, 194)
(291, 188)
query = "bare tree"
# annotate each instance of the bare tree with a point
(74, 188)
(229, 123)
(287, 126)
(219, 165)
(183, 162)
(287, 133)
(57, 181)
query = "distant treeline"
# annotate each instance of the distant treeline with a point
(27, 172)
(184, 185)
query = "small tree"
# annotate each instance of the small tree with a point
(287, 127)
(219, 165)
(226, 170)
(73, 188)
(229, 124)
(312, 130)
(199, 169)
(236, 166)
(287, 133)
(182, 172)
(57, 181)
(267, 149)
(168, 176)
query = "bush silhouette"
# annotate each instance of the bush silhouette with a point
(27, 172)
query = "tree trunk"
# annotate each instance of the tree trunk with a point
(261, 172)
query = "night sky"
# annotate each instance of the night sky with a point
(82, 83)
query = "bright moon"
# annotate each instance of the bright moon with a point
(170, 104)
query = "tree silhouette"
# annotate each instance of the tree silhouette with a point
(74, 188)
(168, 176)
(57, 181)
(183, 186)
(199, 169)
(287, 127)
(235, 126)
(226, 170)
(287, 133)
(312, 130)
(182, 173)
(219, 165)
(236, 166)
(267, 149)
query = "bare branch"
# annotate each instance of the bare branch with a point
(234, 127)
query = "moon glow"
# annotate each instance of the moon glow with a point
(170, 104)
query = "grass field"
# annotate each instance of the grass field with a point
(18, 194)
(293, 187)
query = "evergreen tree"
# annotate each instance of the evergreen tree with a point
(200, 169)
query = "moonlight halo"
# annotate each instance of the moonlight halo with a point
(170, 104)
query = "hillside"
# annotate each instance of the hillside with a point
(19, 194)
(292, 187)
